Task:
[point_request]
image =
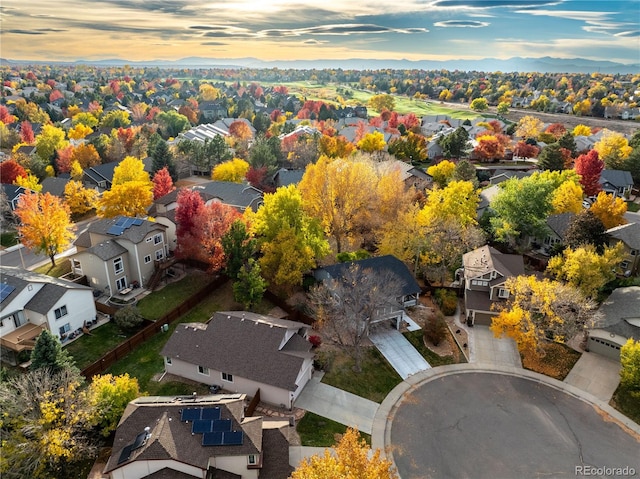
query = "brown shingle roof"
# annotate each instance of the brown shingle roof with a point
(248, 345)
(134, 233)
(486, 259)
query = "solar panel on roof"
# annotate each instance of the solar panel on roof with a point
(222, 425)
(120, 221)
(200, 426)
(125, 454)
(212, 439)
(212, 413)
(190, 414)
(232, 438)
(140, 440)
(137, 221)
(115, 230)
(6, 290)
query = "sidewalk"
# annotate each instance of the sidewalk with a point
(337, 405)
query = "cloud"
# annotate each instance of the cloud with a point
(35, 31)
(461, 24)
(492, 3)
(313, 41)
(214, 44)
(569, 14)
(630, 33)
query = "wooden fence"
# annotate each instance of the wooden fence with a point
(292, 313)
(251, 408)
(150, 330)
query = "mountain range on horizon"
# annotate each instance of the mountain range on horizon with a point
(515, 64)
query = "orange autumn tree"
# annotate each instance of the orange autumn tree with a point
(214, 222)
(352, 460)
(162, 183)
(45, 224)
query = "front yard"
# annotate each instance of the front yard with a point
(318, 431)
(556, 362)
(627, 403)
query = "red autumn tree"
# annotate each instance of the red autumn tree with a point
(256, 177)
(376, 121)
(10, 170)
(5, 116)
(127, 137)
(489, 148)
(393, 120)
(240, 130)
(589, 166)
(190, 207)
(385, 115)
(275, 114)
(410, 121)
(191, 115)
(525, 150)
(556, 129)
(495, 126)
(26, 133)
(64, 159)
(361, 131)
(55, 95)
(213, 223)
(162, 183)
(283, 90)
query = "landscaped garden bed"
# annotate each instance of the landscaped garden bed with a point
(318, 431)
(556, 360)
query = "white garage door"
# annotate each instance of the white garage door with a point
(604, 347)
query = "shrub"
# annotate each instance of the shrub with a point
(315, 340)
(347, 256)
(447, 300)
(435, 330)
(128, 318)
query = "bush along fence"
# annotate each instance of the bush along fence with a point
(292, 313)
(147, 332)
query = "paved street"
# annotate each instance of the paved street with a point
(484, 425)
(400, 353)
(337, 405)
(596, 375)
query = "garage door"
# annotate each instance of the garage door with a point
(604, 347)
(483, 319)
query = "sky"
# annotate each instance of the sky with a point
(138, 30)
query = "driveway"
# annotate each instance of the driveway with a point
(337, 405)
(489, 350)
(400, 353)
(596, 375)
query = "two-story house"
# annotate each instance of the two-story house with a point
(485, 272)
(197, 437)
(115, 253)
(629, 235)
(616, 182)
(31, 302)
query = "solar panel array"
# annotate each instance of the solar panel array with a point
(140, 441)
(5, 291)
(215, 431)
(123, 223)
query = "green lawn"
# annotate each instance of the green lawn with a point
(415, 338)
(626, 403)
(318, 431)
(633, 207)
(89, 348)
(374, 382)
(160, 302)
(62, 267)
(8, 238)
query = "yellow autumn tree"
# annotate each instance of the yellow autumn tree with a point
(457, 201)
(208, 92)
(371, 142)
(529, 127)
(45, 224)
(353, 459)
(79, 132)
(109, 395)
(613, 148)
(30, 182)
(581, 130)
(442, 172)
(76, 171)
(585, 268)
(567, 198)
(233, 171)
(609, 210)
(131, 193)
(78, 198)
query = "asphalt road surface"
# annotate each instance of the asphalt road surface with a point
(481, 425)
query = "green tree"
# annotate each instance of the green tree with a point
(465, 171)
(568, 142)
(265, 152)
(551, 158)
(50, 139)
(630, 362)
(204, 155)
(585, 228)
(128, 318)
(456, 144)
(250, 286)
(115, 119)
(238, 247)
(162, 157)
(109, 396)
(172, 123)
(503, 108)
(382, 102)
(411, 147)
(48, 353)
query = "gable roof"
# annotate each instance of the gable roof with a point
(621, 312)
(107, 250)
(248, 345)
(628, 233)
(134, 233)
(284, 177)
(617, 178)
(239, 195)
(379, 264)
(54, 185)
(103, 172)
(560, 223)
(486, 259)
(171, 439)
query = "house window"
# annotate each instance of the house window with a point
(252, 460)
(121, 283)
(147, 259)
(75, 263)
(64, 329)
(60, 312)
(167, 360)
(634, 252)
(227, 377)
(118, 265)
(157, 239)
(203, 370)
(624, 265)
(159, 254)
(503, 293)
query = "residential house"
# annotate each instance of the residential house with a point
(116, 253)
(54, 185)
(13, 194)
(197, 437)
(410, 175)
(387, 265)
(284, 177)
(204, 132)
(629, 235)
(213, 110)
(620, 321)
(616, 182)
(503, 175)
(244, 352)
(557, 226)
(486, 197)
(485, 272)
(31, 302)
(99, 176)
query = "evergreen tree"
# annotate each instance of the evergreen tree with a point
(48, 353)
(238, 248)
(567, 141)
(586, 228)
(162, 157)
(551, 158)
(250, 286)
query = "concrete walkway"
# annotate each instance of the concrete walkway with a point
(596, 375)
(337, 405)
(400, 353)
(298, 453)
(489, 350)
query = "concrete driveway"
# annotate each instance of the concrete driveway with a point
(400, 353)
(596, 375)
(487, 349)
(337, 405)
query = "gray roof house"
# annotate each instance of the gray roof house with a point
(616, 182)
(239, 195)
(188, 437)
(115, 253)
(629, 235)
(485, 272)
(244, 352)
(55, 185)
(620, 321)
(31, 302)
